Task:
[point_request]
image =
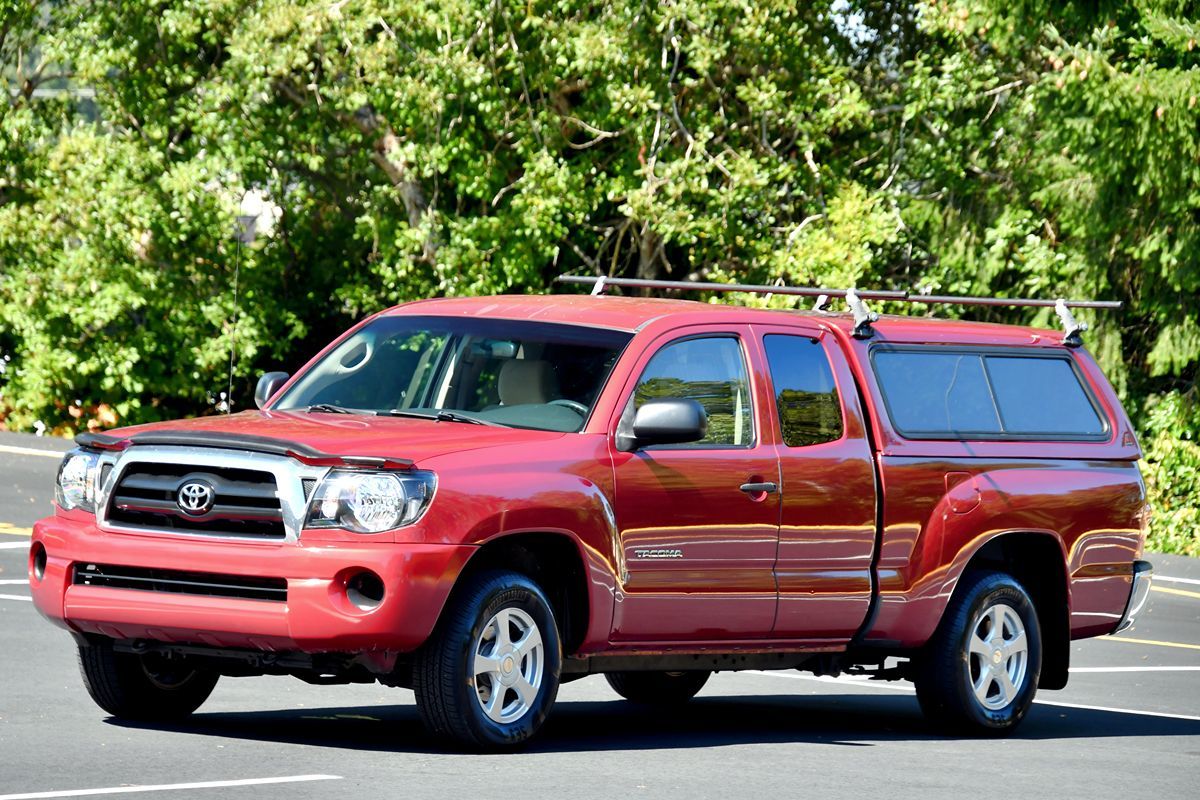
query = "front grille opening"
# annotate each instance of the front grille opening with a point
(245, 502)
(207, 584)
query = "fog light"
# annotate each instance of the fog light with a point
(365, 590)
(37, 561)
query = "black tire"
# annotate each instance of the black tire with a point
(144, 688)
(449, 697)
(948, 672)
(657, 688)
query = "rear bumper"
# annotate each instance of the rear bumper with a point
(1139, 590)
(316, 616)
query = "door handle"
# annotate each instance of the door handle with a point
(759, 488)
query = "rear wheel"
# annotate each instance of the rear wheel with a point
(657, 688)
(143, 687)
(980, 671)
(489, 675)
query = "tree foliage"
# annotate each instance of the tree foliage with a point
(433, 147)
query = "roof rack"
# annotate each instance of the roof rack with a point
(863, 317)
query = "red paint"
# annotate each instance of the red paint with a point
(310, 620)
(785, 571)
(827, 527)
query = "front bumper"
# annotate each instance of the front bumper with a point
(1139, 590)
(316, 616)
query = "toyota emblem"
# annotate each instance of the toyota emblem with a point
(195, 498)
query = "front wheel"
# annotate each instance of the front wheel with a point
(657, 688)
(147, 687)
(489, 675)
(980, 671)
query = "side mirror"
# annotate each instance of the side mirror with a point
(268, 385)
(668, 421)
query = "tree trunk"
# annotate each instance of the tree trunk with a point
(650, 259)
(386, 154)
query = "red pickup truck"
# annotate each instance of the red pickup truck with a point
(482, 498)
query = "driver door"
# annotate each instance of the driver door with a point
(697, 550)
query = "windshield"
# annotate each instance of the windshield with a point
(518, 374)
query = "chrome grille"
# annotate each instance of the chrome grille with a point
(246, 502)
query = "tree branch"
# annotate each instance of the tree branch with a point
(385, 154)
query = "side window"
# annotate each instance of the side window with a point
(806, 397)
(1042, 395)
(985, 395)
(711, 371)
(937, 393)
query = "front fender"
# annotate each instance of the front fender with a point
(485, 495)
(577, 509)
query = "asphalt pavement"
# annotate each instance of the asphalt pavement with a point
(1127, 726)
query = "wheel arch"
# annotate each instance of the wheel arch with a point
(1037, 560)
(553, 559)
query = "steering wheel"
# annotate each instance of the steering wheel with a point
(578, 408)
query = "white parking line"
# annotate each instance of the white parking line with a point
(1135, 669)
(15, 582)
(15, 597)
(31, 451)
(847, 681)
(1110, 710)
(14, 545)
(167, 787)
(1169, 579)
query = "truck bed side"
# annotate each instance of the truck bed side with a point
(1067, 517)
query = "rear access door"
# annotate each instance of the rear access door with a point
(828, 487)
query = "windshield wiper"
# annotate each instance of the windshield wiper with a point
(451, 416)
(329, 408)
(440, 416)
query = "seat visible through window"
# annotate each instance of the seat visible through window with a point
(527, 381)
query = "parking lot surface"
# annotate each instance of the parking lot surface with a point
(1127, 725)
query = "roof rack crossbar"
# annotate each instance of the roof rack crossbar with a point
(701, 286)
(964, 300)
(863, 317)
(805, 291)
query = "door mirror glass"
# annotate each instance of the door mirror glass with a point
(268, 385)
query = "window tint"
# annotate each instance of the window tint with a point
(984, 395)
(805, 395)
(1041, 395)
(712, 372)
(937, 392)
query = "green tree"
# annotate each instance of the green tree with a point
(398, 150)
(1063, 158)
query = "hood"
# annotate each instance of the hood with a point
(323, 438)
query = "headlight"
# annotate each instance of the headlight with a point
(78, 476)
(370, 502)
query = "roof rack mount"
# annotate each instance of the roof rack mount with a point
(863, 317)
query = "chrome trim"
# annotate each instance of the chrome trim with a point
(1139, 590)
(288, 473)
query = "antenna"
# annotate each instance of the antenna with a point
(244, 234)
